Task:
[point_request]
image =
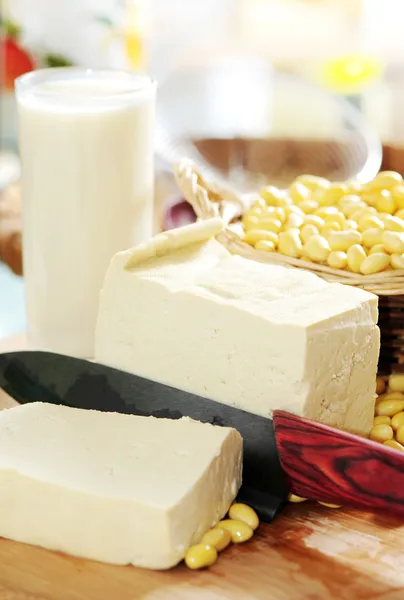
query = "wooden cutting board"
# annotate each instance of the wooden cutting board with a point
(309, 553)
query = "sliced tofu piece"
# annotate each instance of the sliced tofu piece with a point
(116, 488)
(185, 312)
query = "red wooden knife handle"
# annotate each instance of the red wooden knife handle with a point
(322, 463)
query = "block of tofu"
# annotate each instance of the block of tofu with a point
(183, 311)
(116, 488)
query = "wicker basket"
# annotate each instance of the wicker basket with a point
(209, 200)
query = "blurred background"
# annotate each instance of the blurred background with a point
(258, 91)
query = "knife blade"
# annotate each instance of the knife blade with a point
(36, 376)
(287, 453)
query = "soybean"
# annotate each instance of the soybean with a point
(394, 444)
(265, 245)
(317, 248)
(375, 263)
(397, 421)
(388, 408)
(397, 261)
(343, 240)
(400, 435)
(200, 556)
(381, 433)
(290, 243)
(296, 499)
(380, 386)
(256, 235)
(240, 532)
(244, 513)
(217, 537)
(355, 256)
(396, 383)
(393, 241)
(381, 420)
(337, 260)
(307, 231)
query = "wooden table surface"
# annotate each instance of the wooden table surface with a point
(309, 553)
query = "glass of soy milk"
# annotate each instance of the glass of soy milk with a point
(86, 145)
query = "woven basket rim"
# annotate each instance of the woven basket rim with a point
(209, 199)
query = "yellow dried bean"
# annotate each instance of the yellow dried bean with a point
(259, 203)
(398, 194)
(298, 192)
(253, 236)
(326, 212)
(240, 532)
(393, 241)
(329, 227)
(382, 420)
(381, 433)
(380, 386)
(218, 538)
(250, 222)
(392, 223)
(378, 248)
(314, 220)
(270, 224)
(351, 205)
(349, 200)
(386, 179)
(370, 198)
(389, 407)
(352, 186)
(313, 183)
(400, 435)
(296, 210)
(271, 195)
(200, 556)
(394, 444)
(276, 212)
(295, 499)
(397, 421)
(343, 240)
(400, 214)
(370, 222)
(372, 237)
(308, 206)
(331, 195)
(256, 211)
(336, 218)
(337, 260)
(391, 396)
(375, 263)
(368, 211)
(294, 221)
(290, 243)
(396, 383)
(317, 248)
(285, 203)
(244, 513)
(265, 245)
(355, 255)
(350, 225)
(307, 231)
(386, 203)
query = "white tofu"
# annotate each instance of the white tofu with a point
(185, 312)
(114, 488)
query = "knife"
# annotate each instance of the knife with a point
(286, 453)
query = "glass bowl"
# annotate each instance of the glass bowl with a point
(248, 125)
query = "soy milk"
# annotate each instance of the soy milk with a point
(86, 143)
